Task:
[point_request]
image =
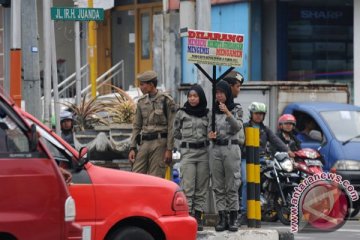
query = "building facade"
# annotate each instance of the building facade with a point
(299, 40)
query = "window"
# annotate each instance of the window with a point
(307, 128)
(343, 124)
(60, 154)
(145, 36)
(12, 137)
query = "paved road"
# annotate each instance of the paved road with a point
(350, 231)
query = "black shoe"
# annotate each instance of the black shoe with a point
(243, 219)
(222, 223)
(233, 222)
(199, 220)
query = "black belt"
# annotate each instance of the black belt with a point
(153, 136)
(194, 145)
(226, 142)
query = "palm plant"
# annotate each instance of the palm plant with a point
(122, 109)
(87, 113)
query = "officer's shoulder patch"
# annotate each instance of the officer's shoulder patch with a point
(167, 95)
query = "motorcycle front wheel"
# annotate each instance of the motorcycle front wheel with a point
(284, 215)
(284, 211)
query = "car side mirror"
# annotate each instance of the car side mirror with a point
(316, 135)
(34, 138)
(83, 157)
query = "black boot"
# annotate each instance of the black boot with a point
(222, 223)
(242, 219)
(233, 222)
(199, 220)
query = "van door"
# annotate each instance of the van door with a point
(31, 198)
(81, 187)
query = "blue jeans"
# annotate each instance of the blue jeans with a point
(243, 206)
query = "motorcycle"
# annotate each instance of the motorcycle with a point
(308, 162)
(278, 180)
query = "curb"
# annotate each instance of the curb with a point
(246, 234)
(285, 235)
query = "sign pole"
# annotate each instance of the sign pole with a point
(77, 63)
(213, 99)
(214, 81)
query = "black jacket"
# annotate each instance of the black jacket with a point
(293, 144)
(266, 135)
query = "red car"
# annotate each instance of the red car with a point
(115, 204)
(35, 203)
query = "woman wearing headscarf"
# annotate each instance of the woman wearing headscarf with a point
(190, 129)
(226, 155)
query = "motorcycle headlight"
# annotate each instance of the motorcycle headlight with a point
(287, 165)
(347, 165)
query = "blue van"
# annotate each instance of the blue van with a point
(338, 126)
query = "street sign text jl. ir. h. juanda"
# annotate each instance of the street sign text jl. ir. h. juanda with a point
(77, 14)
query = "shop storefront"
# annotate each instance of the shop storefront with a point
(315, 40)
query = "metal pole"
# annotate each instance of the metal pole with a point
(30, 59)
(213, 99)
(203, 22)
(77, 63)
(77, 60)
(47, 61)
(55, 80)
(92, 52)
(164, 2)
(15, 52)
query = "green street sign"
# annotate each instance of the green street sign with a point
(77, 14)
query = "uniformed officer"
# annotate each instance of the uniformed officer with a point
(152, 128)
(235, 80)
(226, 155)
(190, 128)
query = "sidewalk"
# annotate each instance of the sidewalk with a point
(245, 234)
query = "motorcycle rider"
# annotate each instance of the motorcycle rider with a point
(286, 126)
(257, 113)
(67, 125)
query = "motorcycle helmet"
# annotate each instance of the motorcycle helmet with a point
(286, 118)
(66, 115)
(257, 107)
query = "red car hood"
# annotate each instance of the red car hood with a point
(101, 175)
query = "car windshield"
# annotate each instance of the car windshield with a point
(53, 145)
(344, 124)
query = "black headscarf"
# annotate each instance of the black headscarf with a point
(225, 88)
(199, 110)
